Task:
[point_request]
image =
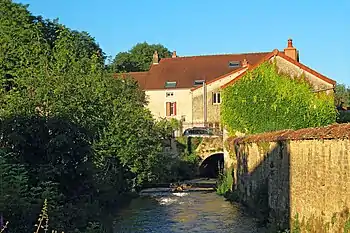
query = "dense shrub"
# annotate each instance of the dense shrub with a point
(264, 100)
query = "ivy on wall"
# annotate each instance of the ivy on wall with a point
(265, 100)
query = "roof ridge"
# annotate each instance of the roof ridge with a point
(276, 52)
(214, 55)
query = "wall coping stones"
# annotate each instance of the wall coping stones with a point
(334, 131)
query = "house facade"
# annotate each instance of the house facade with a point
(189, 88)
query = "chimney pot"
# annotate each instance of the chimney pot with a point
(290, 43)
(174, 54)
(155, 58)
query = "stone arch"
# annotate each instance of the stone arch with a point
(212, 165)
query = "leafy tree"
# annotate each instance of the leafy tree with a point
(73, 134)
(75, 88)
(167, 127)
(342, 101)
(18, 198)
(342, 95)
(13, 190)
(78, 133)
(264, 100)
(139, 57)
(21, 43)
(51, 150)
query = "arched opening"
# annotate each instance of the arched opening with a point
(212, 166)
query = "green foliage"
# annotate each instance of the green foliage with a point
(189, 143)
(138, 58)
(344, 117)
(347, 226)
(19, 199)
(296, 224)
(264, 100)
(71, 133)
(51, 150)
(181, 166)
(342, 95)
(167, 127)
(225, 183)
(13, 192)
(187, 167)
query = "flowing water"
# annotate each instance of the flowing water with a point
(184, 212)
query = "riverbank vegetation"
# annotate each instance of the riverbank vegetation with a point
(70, 132)
(225, 183)
(180, 161)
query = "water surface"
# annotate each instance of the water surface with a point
(184, 212)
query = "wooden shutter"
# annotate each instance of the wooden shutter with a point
(167, 108)
(174, 104)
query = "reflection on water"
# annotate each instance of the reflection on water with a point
(183, 212)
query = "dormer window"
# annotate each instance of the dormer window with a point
(198, 82)
(234, 64)
(170, 84)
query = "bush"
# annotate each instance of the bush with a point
(264, 100)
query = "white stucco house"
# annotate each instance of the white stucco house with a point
(188, 88)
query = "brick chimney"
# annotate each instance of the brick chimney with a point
(291, 52)
(155, 58)
(174, 54)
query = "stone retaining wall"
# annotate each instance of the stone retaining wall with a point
(295, 177)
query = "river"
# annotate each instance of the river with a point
(183, 212)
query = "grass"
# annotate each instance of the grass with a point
(347, 226)
(225, 183)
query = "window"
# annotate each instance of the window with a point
(216, 98)
(234, 64)
(168, 94)
(170, 84)
(198, 82)
(170, 108)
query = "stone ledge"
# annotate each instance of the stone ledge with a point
(334, 131)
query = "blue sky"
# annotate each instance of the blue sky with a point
(320, 29)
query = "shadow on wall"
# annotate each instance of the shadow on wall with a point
(263, 181)
(212, 166)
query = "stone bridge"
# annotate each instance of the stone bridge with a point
(209, 146)
(211, 152)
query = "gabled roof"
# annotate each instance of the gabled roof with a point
(185, 70)
(275, 52)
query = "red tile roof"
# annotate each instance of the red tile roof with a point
(275, 52)
(222, 76)
(185, 70)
